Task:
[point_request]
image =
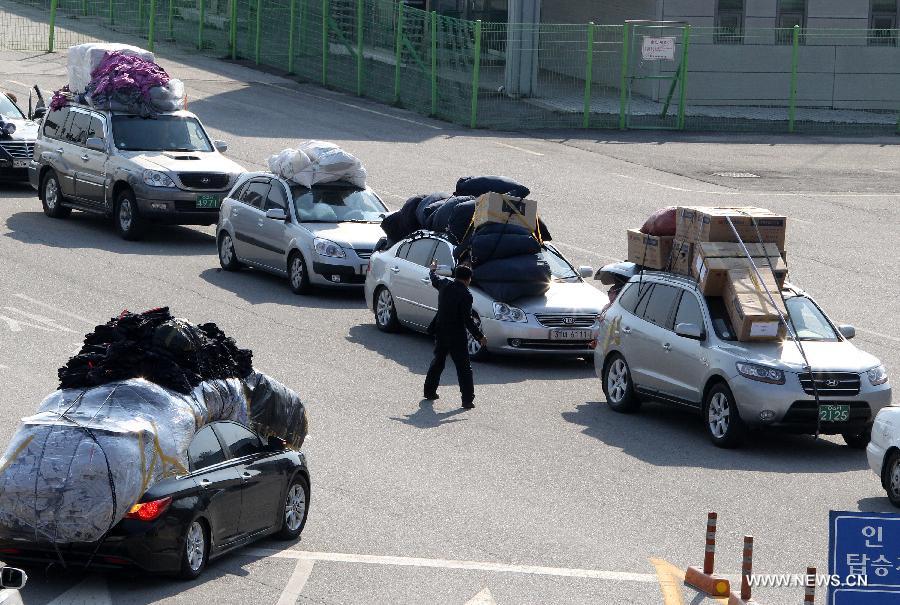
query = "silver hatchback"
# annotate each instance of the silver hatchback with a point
(663, 340)
(322, 236)
(561, 322)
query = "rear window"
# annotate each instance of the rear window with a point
(718, 314)
(659, 308)
(54, 122)
(629, 298)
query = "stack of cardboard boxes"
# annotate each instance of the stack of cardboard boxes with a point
(705, 247)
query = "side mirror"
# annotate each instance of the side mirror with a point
(275, 444)
(444, 271)
(586, 271)
(12, 578)
(692, 331)
(276, 214)
(847, 331)
(221, 146)
(39, 112)
(96, 144)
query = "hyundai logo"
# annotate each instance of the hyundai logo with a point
(205, 180)
(831, 383)
(569, 321)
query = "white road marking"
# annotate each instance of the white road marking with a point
(15, 325)
(878, 334)
(41, 319)
(759, 193)
(536, 570)
(56, 310)
(518, 148)
(17, 83)
(586, 251)
(295, 585)
(90, 591)
(482, 598)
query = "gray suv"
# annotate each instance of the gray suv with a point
(663, 340)
(163, 168)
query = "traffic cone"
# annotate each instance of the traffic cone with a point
(745, 598)
(810, 597)
(705, 580)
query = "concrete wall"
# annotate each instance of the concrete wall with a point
(608, 12)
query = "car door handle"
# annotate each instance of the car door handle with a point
(626, 329)
(667, 346)
(85, 157)
(395, 269)
(425, 280)
(204, 483)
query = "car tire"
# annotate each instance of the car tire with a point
(476, 351)
(298, 274)
(892, 478)
(618, 386)
(385, 311)
(52, 198)
(227, 256)
(858, 441)
(195, 550)
(129, 222)
(722, 419)
(296, 508)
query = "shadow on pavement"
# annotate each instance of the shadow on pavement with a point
(877, 505)
(413, 351)
(665, 436)
(426, 417)
(87, 231)
(258, 287)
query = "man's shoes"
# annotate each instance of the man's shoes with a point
(432, 396)
(469, 405)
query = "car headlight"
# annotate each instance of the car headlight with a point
(877, 376)
(505, 312)
(155, 178)
(760, 373)
(326, 247)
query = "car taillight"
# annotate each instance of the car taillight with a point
(369, 267)
(148, 511)
(9, 551)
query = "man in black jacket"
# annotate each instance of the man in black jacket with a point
(454, 317)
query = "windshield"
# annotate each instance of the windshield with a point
(809, 321)
(337, 205)
(559, 267)
(9, 109)
(160, 133)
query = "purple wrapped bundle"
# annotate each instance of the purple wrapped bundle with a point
(125, 78)
(60, 98)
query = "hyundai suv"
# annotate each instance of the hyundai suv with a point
(162, 169)
(663, 340)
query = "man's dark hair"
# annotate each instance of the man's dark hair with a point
(463, 272)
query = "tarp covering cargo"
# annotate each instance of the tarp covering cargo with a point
(83, 59)
(496, 241)
(479, 185)
(515, 277)
(313, 162)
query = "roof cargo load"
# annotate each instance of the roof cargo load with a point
(313, 162)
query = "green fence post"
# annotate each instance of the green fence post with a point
(84, 9)
(623, 85)
(476, 74)
(588, 76)
(233, 28)
(795, 57)
(434, 83)
(258, 28)
(140, 16)
(324, 42)
(51, 40)
(171, 17)
(398, 51)
(292, 29)
(685, 45)
(112, 14)
(360, 38)
(151, 33)
(202, 23)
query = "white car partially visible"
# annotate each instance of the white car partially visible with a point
(884, 451)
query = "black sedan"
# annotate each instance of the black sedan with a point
(238, 489)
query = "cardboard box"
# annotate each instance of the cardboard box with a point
(710, 224)
(651, 251)
(752, 315)
(712, 273)
(497, 208)
(735, 250)
(682, 256)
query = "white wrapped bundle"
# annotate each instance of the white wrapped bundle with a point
(314, 162)
(83, 59)
(169, 97)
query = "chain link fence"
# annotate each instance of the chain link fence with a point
(514, 76)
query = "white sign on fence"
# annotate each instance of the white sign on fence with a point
(658, 49)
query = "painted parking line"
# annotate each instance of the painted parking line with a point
(56, 309)
(522, 149)
(297, 582)
(586, 251)
(849, 194)
(536, 570)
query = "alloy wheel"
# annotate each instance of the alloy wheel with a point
(126, 215)
(617, 381)
(295, 507)
(473, 345)
(297, 272)
(385, 308)
(894, 480)
(226, 250)
(195, 545)
(718, 415)
(51, 193)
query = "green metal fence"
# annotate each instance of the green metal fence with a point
(513, 76)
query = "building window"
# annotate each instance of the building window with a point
(730, 21)
(883, 22)
(790, 14)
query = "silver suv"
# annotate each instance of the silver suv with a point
(162, 169)
(661, 339)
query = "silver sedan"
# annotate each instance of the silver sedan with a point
(564, 321)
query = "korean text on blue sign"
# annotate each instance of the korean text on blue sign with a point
(864, 555)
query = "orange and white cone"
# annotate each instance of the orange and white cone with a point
(705, 580)
(746, 571)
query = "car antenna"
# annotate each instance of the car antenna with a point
(787, 321)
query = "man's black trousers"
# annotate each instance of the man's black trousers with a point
(458, 350)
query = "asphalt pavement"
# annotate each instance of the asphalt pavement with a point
(539, 495)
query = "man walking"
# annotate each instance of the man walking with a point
(454, 317)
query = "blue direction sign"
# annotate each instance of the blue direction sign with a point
(864, 558)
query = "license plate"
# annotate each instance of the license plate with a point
(207, 201)
(834, 413)
(570, 335)
(20, 163)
